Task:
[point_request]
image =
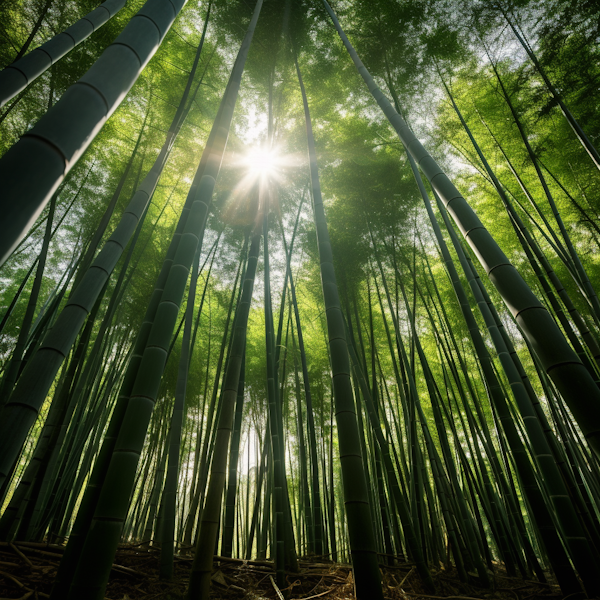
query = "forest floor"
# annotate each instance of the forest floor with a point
(27, 571)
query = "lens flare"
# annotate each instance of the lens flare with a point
(262, 162)
(262, 171)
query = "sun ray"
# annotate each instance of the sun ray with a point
(263, 171)
(262, 162)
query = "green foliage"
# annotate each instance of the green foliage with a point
(412, 48)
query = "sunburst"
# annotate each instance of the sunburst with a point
(264, 171)
(263, 163)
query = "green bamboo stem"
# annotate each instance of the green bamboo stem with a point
(558, 248)
(316, 534)
(14, 366)
(509, 348)
(570, 527)
(169, 497)
(91, 576)
(559, 360)
(581, 136)
(356, 496)
(401, 505)
(20, 412)
(256, 509)
(418, 488)
(442, 436)
(560, 561)
(515, 369)
(22, 72)
(59, 139)
(524, 234)
(94, 360)
(274, 414)
(199, 585)
(204, 459)
(232, 479)
(92, 248)
(492, 501)
(590, 293)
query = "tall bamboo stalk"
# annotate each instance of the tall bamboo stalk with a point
(560, 361)
(200, 576)
(14, 366)
(577, 129)
(91, 575)
(23, 71)
(34, 167)
(356, 495)
(20, 412)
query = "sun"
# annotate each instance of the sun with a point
(262, 162)
(262, 171)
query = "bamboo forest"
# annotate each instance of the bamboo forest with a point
(299, 299)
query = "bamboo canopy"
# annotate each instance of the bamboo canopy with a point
(301, 283)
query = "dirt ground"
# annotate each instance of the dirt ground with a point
(27, 571)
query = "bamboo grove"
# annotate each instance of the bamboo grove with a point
(302, 280)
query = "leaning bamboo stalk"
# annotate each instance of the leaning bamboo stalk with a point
(356, 495)
(570, 527)
(412, 542)
(420, 482)
(528, 243)
(558, 557)
(95, 358)
(499, 475)
(167, 531)
(31, 481)
(199, 585)
(558, 359)
(577, 129)
(232, 480)
(102, 540)
(24, 71)
(169, 496)
(434, 394)
(86, 511)
(16, 297)
(83, 390)
(20, 412)
(14, 365)
(92, 248)
(213, 409)
(274, 412)
(35, 166)
(582, 275)
(555, 449)
(525, 236)
(316, 520)
(304, 491)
